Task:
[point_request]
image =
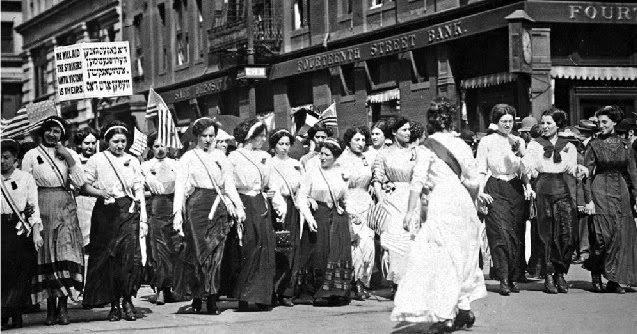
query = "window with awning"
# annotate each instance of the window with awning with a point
(594, 73)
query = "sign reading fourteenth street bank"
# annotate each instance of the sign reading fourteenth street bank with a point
(88, 70)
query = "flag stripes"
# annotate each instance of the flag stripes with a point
(166, 131)
(18, 125)
(139, 142)
(328, 116)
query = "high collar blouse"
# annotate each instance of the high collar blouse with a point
(162, 171)
(534, 161)
(195, 170)
(285, 173)
(37, 163)
(251, 170)
(101, 174)
(394, 164)
(315, 186)
(495, 155)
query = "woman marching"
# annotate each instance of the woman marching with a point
(286, 175)
(206, 174)
(119, 218)
(553, 160)
(21, 235)
(325, 264)
(613, 232)
(86, 141)
(442, 276)
(251, 172)
(357, 169)
(499, 155)
(159, 175)
(60, 271)
(392, 173)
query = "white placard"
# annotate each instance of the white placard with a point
(69, 72)
(88, 70)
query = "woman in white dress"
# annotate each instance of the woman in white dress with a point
(86, 141)
(442, 275)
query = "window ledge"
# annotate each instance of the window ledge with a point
(344, 18)
(382, 8)
(299, 32)
(179, 68)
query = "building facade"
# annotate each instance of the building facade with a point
(50, 23)
(11, 68)
(378, 58)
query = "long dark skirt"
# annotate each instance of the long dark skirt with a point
(556, 222)
(204, 241)
(286, 258)
(503, 224)
(325, 259)
(162, 240)
(612, 234)
(19, 262)
(115, 258)
(256, 280)
(230, 263)
(61, 258)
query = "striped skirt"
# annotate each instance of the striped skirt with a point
(60, 270)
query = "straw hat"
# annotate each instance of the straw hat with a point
(527, 123)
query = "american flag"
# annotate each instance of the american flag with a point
(166, 131)
(328, 116)
(139, 143)
(27, 119)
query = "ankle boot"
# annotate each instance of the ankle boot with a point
(505, 290)
(62, 311)
(560, 282)
(549, 284)
(464, 318)
(196, 305)
(211, 305)
(614, 287)
(514, 287)
(50, 311)
(441, 327)
(116, 312)
(129, 310)
(596, 280)
(16, 319)
(159, 298)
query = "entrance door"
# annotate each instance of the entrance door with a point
(586, 100)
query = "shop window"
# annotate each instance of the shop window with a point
(300, 90)
(138, 69)
(300, 14)
(163, 54)
(346, 77)
(376, 3)
(201, 33)
(419, 66)
(229, 103)
(11, 99)
(382, 72)
(39, 72)
(235, 11)
(7, 37)
(180, 8)
(344, 7)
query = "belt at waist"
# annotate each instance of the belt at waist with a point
(52, 188)
(504, 177)
(249, 192)
(162, 195)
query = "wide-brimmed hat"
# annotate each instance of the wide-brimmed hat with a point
(222, 135)
(587, 125)
(527, 123)
(570, 132)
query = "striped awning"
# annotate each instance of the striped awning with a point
(384, 96)
(488, 80)
(594, 73)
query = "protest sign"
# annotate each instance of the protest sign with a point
(69, 74)
(88, 70)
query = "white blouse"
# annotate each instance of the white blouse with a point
(101, 175)
(534, 161)
(291, 170)
(251, 170)
(22, 189)
(36, 163)
(191, 173)
(315, 186)
(162, 171)
(496, 156)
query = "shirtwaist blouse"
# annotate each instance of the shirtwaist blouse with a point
(101, 175)
(23, 191)
(162, 171)
(496, 156)
(36, 163)
(534, 161)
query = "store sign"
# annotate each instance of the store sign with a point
(583, 12)
(439, 33)
(253, 72)
(204, 88)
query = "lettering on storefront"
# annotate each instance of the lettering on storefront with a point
(327, 60)
(445, 32)
(197, 90)
(603, 12)
(393, 45)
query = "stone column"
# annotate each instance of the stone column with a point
(540, 90)
(281, 104)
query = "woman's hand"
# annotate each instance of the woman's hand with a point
(485, 198)
(411, 221)
(312, 203)
(241, 215)
(177, 223)
(311, 223)
(528, 192)
(589, 208)
(37, 240)
(155, 186)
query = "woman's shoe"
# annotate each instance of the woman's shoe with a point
(159, 298)
(504, 287)
(560, 282)
(243, 306)
(129, 311)
(263, 307)
(614, 287)
(441, 327)
(286, 302)
(514, 287)
(62, 311)
(196, 305)
(115, 314)
(549, 285)
(596, 280)
(464, 318)
(50, 311)
(211, 305)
